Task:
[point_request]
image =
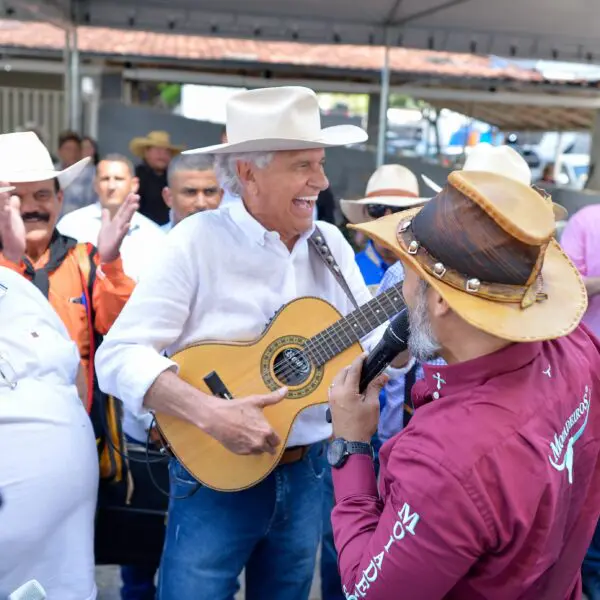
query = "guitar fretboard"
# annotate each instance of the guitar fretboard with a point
(350, 329)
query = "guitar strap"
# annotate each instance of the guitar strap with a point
(319, 246)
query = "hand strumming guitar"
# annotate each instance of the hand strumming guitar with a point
(241, 426)
(113, 231)
(12, 228)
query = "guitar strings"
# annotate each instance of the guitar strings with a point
(287, 368)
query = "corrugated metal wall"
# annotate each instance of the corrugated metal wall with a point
(26, 107)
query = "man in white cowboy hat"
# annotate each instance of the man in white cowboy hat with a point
(156, 151)
(493, 490)
(33, 247)
(390, 188)
(259, 260)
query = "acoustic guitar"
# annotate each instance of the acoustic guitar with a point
(296, 351)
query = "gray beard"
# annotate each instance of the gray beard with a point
(422, 343)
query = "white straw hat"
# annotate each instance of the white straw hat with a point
(279, 118)
(502, 160)
(390, 185)
(24, 159)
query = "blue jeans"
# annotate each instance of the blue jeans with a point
(273, 529)
(591, 563)
(331, 583)
(138, 582)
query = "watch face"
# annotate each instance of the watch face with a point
(335, 452)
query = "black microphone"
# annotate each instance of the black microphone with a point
(393, 341)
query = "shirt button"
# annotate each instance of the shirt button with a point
(436, 395)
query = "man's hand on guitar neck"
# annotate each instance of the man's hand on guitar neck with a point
(240, 424)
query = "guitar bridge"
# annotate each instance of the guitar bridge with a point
(216, 386)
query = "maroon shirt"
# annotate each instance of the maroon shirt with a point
(491, 492)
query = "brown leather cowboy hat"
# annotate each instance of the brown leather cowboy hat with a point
(485, 243)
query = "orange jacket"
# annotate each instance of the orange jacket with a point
(68, 296)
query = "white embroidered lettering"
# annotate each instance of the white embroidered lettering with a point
(407, 522)
(557, 446)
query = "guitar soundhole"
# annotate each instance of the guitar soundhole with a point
(291, 367)
(284, 362)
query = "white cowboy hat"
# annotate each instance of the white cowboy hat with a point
(24, 159)
(390, 185)
(502, 160)
(155, 139)
(279, 118)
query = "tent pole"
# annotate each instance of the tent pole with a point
(384, 102)
(67, 80)
(75, 91)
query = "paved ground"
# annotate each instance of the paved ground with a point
(108, 581)
(108, 585)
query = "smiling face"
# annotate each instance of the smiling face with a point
(40, 208)
(282, 195)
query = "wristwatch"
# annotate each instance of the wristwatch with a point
(340, 449)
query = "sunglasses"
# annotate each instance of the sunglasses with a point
(376, 211)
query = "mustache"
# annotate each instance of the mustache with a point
(35, 216)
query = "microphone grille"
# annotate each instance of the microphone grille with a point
(31, 590)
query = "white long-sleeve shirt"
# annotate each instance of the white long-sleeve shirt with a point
(220, 276)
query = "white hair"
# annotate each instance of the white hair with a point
(226, 168)
(422, 342)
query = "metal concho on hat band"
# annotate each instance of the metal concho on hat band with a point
(525, 295)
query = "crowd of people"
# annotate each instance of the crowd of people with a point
(467, 470)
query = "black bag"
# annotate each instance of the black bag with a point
(131, 511)
(131, 530)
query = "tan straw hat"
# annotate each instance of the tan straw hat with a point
(485, 243)
(279, 118)
(502, 160)
(390, 185)
(155, 139)
(25, 159)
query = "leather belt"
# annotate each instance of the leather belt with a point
(292, 455)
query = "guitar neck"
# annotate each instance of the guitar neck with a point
(351, 328)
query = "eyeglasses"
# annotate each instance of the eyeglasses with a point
(376, 211)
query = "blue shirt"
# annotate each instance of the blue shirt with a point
(391, 419)
(372, 266)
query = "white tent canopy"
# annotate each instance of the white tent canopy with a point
(522, 28)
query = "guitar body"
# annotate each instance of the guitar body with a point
(257, 367)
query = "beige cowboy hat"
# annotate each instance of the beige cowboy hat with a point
(279, 118)
(155, 139)
(390, 185)
(485, 243)
(502, 160)
(24, 159)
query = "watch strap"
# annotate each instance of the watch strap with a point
(359, 448)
